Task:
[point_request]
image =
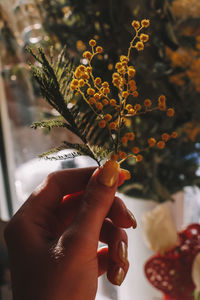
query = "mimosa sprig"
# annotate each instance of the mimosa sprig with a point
(90, 110)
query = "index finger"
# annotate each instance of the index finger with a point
(50, 193)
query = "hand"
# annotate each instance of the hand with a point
(53, 241)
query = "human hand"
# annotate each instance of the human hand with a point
(53, 241)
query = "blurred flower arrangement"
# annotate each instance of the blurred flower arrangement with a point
(103, 128)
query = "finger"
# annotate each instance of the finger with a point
(118, 264)
(67, 210)
(116, 274)
(123, 175)
(58, 184)
(70, 204)
(116, 239)
(120, 215)
(97, 199)
(102, 256)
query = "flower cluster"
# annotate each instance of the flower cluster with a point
(112, 113)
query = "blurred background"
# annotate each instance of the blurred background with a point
(169, 65)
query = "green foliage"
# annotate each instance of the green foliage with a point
(54, 77)
(50, 124)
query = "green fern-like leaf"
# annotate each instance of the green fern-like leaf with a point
(50, 124)
(54, 77)
(50, 79)
(81, 149)
(64, 156)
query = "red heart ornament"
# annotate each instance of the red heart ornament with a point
(171, 272)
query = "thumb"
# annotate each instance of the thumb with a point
(98, 198)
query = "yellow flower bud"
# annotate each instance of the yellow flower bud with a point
(118, 65)
(137, 107)
(92, 43)
(132, 112)
(97, 96)
(161, 144)
(145, 23)
(162, 106)
(131, 72)
(125, 94)
(136, 150)
(147, 102)
(113, 102)
(174, 134)
(107, 117)
(87, 55)
(106, 91)
(99, 49)
(73, 87)
(99, 106)
(162, 99)
(81, 68)
(112, 125)
(139, 46)
(89, 69)
(139, 158)
(135, 94)
(144, 38)
(129, 106)
(123, 58)
(136, 24)
(85, 76)
(90, 91)
(105, 102)
(122, 154)
(151, 142)
(165, 137)
(97, 80)
(105, 84)
(170, 112)
(92, 100)
(81, 83)
(102, 124)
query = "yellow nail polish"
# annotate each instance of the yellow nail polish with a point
(119, 277)
(122, 252)
(132, 218)
(126, 174)
(109, 173)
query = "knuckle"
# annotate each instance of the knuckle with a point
(51, 178)
(120, 234)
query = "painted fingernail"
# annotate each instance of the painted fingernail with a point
(119, 277)
(132, 218)
(122, 252)
(126, 174)
(109, 173)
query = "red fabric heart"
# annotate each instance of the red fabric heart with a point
(171, 272)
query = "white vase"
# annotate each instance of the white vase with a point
(135, 285)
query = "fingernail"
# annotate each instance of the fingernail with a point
(119, 277)
(109, 172)
(122, 252)
(132, 218)
(126, 173)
